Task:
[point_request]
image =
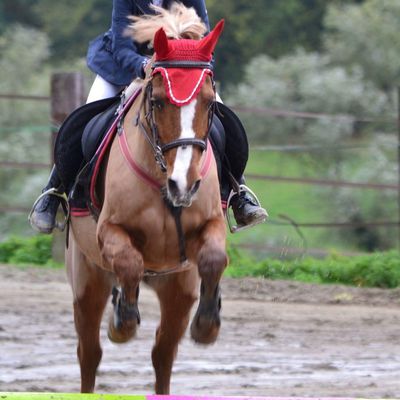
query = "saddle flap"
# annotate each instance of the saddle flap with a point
(68, 153)
(96, 129)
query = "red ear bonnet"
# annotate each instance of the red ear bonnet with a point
(161, 43)
(209, 42)
(183, 84)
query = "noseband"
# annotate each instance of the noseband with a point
(153, 138)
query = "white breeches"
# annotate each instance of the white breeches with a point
(101, 89)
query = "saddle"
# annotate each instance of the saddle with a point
(68, 150)
(86, 134)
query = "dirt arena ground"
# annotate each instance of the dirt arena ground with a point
(277, 339)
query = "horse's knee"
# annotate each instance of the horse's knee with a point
(211, 263)
(120, 255)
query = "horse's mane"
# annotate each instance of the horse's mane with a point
(178, 22)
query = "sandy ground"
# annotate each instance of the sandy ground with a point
(277, 339)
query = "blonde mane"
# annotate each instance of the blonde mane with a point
(178, 22)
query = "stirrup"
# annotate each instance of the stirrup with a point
(64, 204)
(237, 228)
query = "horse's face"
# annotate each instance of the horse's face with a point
(189, 122)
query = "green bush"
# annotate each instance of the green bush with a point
(34, 250)
(374, 270)
(371, 270)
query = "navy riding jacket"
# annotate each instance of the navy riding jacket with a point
(117, 58)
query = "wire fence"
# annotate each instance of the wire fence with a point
(272, 112)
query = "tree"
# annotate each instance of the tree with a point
(72, 24)
(17, 11)
(23, 54)
(367, 36)
(306, 82)
(270, 27)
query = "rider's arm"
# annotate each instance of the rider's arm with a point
(124, 50)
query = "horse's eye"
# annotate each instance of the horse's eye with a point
(157, 103)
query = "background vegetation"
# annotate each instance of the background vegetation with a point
(376, 270)
(335, 58)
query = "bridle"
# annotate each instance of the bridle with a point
(148, 128)
(153, 137)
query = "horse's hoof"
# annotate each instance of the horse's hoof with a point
(122, 333)
(123, 322)
(204, 330)
(206, 322)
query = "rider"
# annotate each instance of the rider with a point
(117, 61)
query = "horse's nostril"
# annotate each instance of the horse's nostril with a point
(173, 187)
(195, 187)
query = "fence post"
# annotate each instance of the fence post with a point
(398, 167)
(67, 92)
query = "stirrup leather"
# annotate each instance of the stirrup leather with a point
(64, 204)
(237, 228)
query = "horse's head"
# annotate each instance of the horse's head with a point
(179, 99)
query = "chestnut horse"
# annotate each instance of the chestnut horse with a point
(171, 238)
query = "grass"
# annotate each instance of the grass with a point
(302, 203)
(373, 270)
(380, 270)
(306, 203)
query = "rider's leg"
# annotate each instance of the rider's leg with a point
(43, 215)
(246, 208)
(101, 89)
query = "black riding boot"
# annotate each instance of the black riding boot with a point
(246, 208)
(43, 214)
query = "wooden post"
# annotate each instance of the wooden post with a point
(67, 93)
(398, 168)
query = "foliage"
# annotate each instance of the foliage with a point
(376, 270)
(367, 36)
(17, 11)
(306, 82)
(253, 27)
(21, 43)
(34, 250)
(72, 24)
(24, 125)
(346, 82)
(263, 27)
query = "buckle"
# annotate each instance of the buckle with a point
(236, 227)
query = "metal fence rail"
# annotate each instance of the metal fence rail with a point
(4, 164)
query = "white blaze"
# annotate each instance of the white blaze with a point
(184, 155)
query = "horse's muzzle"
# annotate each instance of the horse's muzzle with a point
(179, 198)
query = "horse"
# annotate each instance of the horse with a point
(161, 221)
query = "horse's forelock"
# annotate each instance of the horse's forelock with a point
(178, 22)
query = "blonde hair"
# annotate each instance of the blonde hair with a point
(178, 22)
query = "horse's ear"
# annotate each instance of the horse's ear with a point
(210, 41)
(161, 46)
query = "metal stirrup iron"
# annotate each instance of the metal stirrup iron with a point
(240, 188)
(64, 204)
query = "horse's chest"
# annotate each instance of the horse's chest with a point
(157, 238)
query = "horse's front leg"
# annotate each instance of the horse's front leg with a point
(176, 293)
(212, 260)
(121, 257)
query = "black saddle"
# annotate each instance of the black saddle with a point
(69, 153)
